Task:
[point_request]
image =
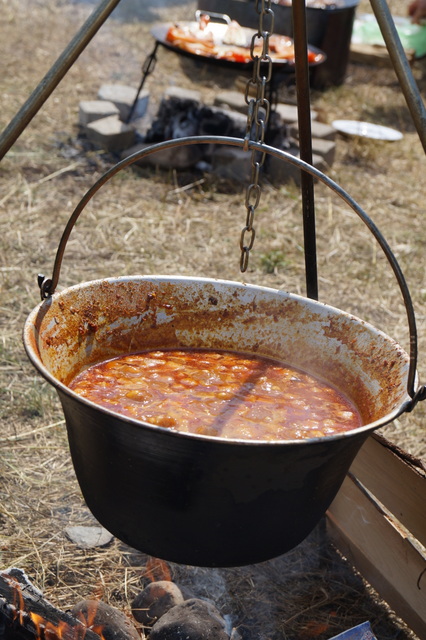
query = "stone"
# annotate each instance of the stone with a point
(233, 99)
(89, 537)
(181, 94)
(182, 157)
(232, 163)
(324, 148)
(110, 133)
(288, 113)
(123, 97)
(155, 600)
(318, 130)
(192, 620)
(110, 623)
(90, 110)
(323, 131)
(280, 171)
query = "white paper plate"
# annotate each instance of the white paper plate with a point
(366, 130)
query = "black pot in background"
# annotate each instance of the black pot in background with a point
(329, 29)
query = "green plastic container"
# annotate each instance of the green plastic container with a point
(413, 36)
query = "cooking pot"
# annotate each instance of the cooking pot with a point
(197, 499)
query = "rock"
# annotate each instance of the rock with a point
(181, 94)
(288, 113)
(123, 97)
(110, 133)
(318, 130)
(106, 620)
(90, 110)
(280, 171)
(89, 537)
(232, 163)
(324, 148)
(192, 620)
(234, 100)
(182, 157)
(153, 602)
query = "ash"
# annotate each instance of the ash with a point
(293, 596)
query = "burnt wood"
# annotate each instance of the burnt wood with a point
(19, 599)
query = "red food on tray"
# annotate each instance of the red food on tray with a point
(230, 42)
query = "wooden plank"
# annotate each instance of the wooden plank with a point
(375, 55)
(26, 615)
(385, 555)
(396, 480)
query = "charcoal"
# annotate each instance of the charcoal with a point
(107, 621)
(155, 600)
(214, 122)
(194, 619)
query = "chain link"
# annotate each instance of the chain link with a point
(257, 119)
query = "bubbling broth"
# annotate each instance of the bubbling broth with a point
(222, 394)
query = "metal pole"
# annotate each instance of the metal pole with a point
(147, 68)
(55, 75)
(401, 66)
(305, 144)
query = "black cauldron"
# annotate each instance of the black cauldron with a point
(197, 499)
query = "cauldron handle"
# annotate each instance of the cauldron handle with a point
(47, 286)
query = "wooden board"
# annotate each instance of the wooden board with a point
(26, 615)
(373, 54)
(397, 481)
(378, 521)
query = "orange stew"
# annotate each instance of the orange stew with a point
(222, 394)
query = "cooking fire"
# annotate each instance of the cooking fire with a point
(188, 113)
(302, 590)
(121, 122)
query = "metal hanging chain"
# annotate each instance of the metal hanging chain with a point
(257, 119)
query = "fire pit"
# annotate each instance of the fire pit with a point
(192, 604)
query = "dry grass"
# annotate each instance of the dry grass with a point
(144, 222)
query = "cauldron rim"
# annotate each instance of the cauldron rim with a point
(63, 388)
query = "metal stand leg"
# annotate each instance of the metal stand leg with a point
(402, 68)
(147, 68)
(55, 75)
(305, 143)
